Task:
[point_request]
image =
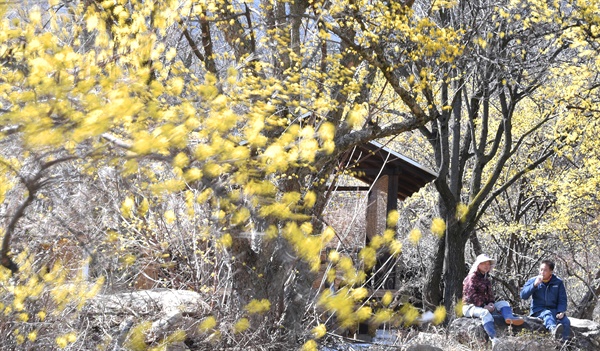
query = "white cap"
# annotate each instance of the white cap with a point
(480, 259)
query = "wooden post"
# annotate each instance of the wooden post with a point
(384, 189)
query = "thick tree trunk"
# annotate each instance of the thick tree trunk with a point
(432, 290)
(443, 283)
(273, 274)
(454, 266)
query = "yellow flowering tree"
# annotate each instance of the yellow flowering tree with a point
(227, 116)
(564, 189)
(224, 121)
(551, 208)
(499, 108)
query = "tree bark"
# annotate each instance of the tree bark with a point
(454, 266)
(274, 274)
(586, 306)
(475, 243)
(432, 289)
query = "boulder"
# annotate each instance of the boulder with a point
(422, 347)
(148, 302)
(169, 310)
(424, 341)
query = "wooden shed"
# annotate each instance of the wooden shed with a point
(387, 177)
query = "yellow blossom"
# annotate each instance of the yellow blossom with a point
(310, 345)
(319, 331)
(327, 235)
(112, 236)
(439, 315)
(62, 342)
(414, 236)
(458, 308)
(143, 208)
(92, 22)
(32, 336)
(438, 227)
(5, 273)
(409, 314)
(368, 256)
(363, 313)
(395, 247)
(177, 336)
(192, 174)
(170, 216)
(333, 256)
(226, 240)
(126, 207)
(241, 325)
(41, 315)
(389, 235)
(136, 339)
(392, 218)
(357, 115)
(240, 216)
(71, 337)
(129, 259)
(327, 131)
(272, 232)
(359, 294)
(387, 299)
(181, 160)
(258, 306)
(382, 316)
(208, 324)
(331, 275)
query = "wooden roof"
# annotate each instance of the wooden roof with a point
(372, 160)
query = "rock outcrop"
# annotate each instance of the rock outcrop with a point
(531, 336)
(168, 310)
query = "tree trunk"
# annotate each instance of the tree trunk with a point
(274, 274)
(454, 266)
(444, 281)
(475, 243)
(432, 289)
(586, 306)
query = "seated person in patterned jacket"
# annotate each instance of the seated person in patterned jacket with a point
(479, 300)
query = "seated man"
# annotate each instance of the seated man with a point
(549, 300)
(479, 301)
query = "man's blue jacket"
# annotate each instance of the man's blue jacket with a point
(546, 296)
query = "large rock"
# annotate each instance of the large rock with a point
(426, 342)
(169, 310)
(148, 302)
(422, 347)
(531, 336)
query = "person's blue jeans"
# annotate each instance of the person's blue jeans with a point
(551, 322)
(486, 317)
(473, 311)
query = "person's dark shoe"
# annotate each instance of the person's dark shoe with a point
(557, 331)
(514, 320)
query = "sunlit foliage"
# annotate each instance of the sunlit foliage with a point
(244, 129)
(207, 134)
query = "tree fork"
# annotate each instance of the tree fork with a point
(33, 185)
(5, 253)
